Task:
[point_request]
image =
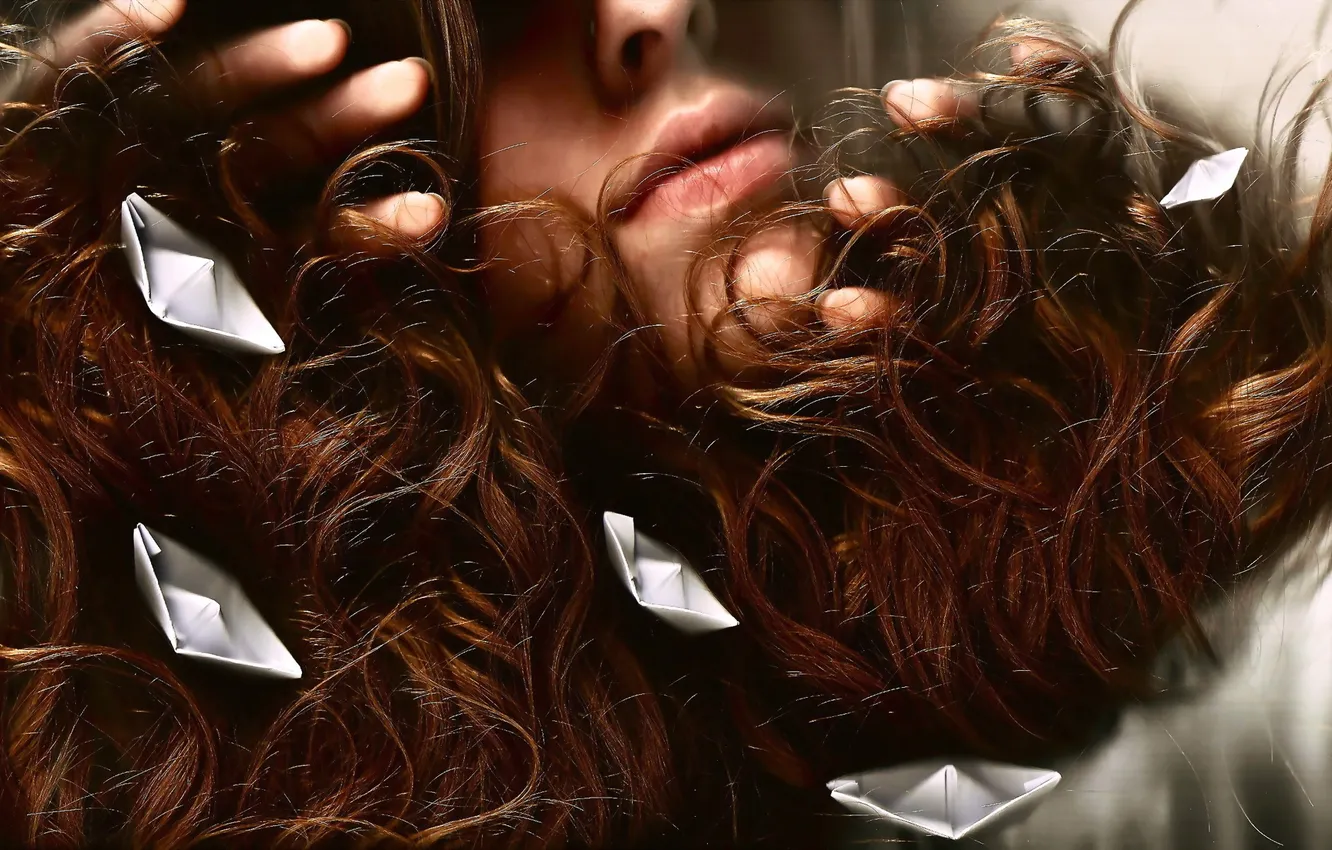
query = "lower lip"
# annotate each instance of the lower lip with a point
(724, 180)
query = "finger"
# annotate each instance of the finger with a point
(915, 101)
(1021, 51)
(851, 306)
(332, 123)
(109, 25)
(411, 217)
(778, 268)
(94, 34)
(234, 74)
(852, 199)
(1050, 113)
(1039, 49)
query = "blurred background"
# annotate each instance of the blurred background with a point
(1217, 59)
(1213, 58)
(1221, 62)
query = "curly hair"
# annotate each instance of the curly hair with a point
(966, 523)
(969, 522)
(389, 499)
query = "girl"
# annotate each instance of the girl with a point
(959, 450)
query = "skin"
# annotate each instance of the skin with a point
(577, 90)
(581, 89)
(573, 100)
(229, 78)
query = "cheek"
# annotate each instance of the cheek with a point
(525, 156)
(542, 139)
(549, 299)
(542, 135)
(538, 259)
(513, 164)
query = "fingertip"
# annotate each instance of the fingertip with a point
(1021, 51)
(89, 36)
(418, 214)
(425, 66)
(851, 199)
(891, 94)
(1024, 50)
(399, 88)
(850, 307)
(364, 105)
(316, 47)
(838, 199)
(342, 25)
(410, 215)
(150, 17)
(913, 101)
(910, 100)
(760, 273)
(774, 278)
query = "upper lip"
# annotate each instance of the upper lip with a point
(694, 133)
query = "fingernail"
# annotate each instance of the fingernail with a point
(346, 27)
(887, 90)
(424, 216)
(442, 213)
(899, 100)
(429, 69)
(836, 191)
(827, 299)
(312, 45)
(416, 199)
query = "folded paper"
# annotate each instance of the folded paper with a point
(1207, 179)
(662, 581)
(946, 800)
(204, 612)
(190, 285)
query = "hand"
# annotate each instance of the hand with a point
(777, 270)
(229, 78)
(785, 265)
(854, 202)
(782, 264)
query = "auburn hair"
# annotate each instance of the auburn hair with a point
(964, 524)
(969, 522)
(387, 497)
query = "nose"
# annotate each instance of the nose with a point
(639, 42)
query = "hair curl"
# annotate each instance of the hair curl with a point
(388, 498)
(969, 522)
(965, 524)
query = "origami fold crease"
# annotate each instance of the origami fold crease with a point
(1207, 179)
(204, 612)
(190, 285)
(945, 800)
(662, 581)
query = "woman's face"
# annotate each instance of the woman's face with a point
(575, 88)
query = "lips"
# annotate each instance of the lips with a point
(714, 153)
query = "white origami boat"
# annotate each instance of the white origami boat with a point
(662, 581)
(1207, 179)
(945, 799)
(204, 612)
(190, 285)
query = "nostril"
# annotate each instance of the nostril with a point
(631, 55)
(636, 54)
(637, 43)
